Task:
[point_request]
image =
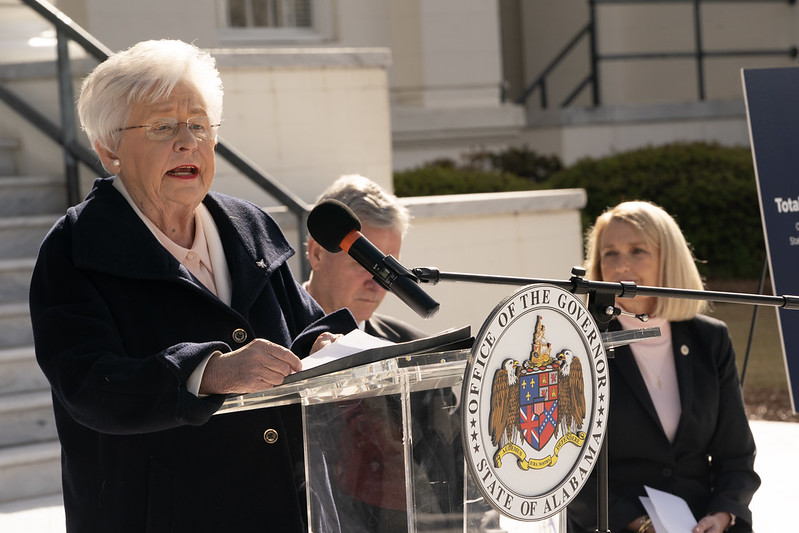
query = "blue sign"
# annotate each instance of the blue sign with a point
(772, 106)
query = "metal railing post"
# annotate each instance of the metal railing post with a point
(68, 127)
(700, 53)
(594, 74)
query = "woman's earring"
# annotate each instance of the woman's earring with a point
(116, 163)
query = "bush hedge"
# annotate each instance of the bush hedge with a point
(446, 177)
(708, 188)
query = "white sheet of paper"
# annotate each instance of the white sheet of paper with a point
(669, 513)
(353, 342)
(653, 515)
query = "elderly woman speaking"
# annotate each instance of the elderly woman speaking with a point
(154, 298)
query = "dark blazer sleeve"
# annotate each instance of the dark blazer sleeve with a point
(731, 445)
(391, 329)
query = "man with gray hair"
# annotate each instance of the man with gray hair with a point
(338, 281)
(367, 480)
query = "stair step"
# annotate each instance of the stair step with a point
(15, 277)
(26, 418)
(30, 455)
(21, 237)
(19, 371)
(31, 195)
(29, 471)
(15, 325)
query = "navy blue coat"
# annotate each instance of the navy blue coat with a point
(119, 325)
(711, 461)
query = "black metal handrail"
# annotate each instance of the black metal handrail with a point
(590, 31)
(67, 133)
(540, 81)
(51, 130)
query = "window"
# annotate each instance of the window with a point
(274, 20)
(269, 13)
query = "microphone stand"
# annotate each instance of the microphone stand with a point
(623, 289)
(601, 305)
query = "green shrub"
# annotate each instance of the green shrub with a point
(442, 177)
(709, 189)
(513, 169)
(521, 162)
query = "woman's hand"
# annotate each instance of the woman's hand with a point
(324, 339)
(642, 524)
(713, 523)
(258, 366)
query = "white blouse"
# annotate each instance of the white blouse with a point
(655, 360)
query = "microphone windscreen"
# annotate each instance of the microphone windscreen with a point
(329, 222)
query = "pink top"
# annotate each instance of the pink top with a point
(655, 360)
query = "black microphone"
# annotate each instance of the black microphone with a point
(335, 227)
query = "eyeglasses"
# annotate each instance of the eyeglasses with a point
(165, 129)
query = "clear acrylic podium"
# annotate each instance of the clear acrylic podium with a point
(383, 449)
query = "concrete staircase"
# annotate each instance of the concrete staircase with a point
(29, 449)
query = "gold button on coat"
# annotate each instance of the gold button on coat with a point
(270, 436)
(239, 335)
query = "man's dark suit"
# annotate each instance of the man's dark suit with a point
(710, 462)
(391, 329)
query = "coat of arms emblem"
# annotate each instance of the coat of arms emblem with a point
(538, 398)
(536, 395)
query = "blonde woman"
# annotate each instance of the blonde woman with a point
(677, 421)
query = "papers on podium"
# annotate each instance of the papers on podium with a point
(351, 362)
(358, 348)
(353, 342)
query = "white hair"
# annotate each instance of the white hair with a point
(146, 72)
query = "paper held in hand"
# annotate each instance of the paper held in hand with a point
(353, 342)
(359, 348)
(669, 513)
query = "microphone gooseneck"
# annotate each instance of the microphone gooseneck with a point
(335, 227)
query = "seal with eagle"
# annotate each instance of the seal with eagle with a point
(571, 396)
(504, 416)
